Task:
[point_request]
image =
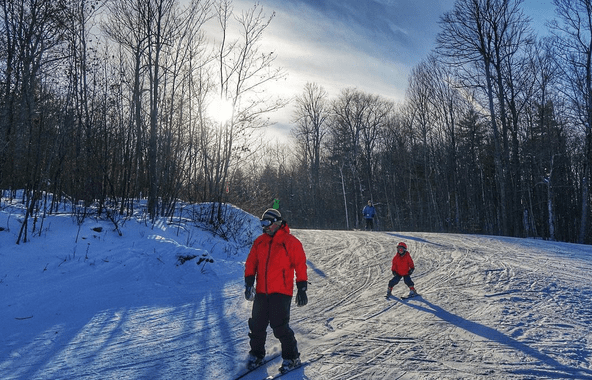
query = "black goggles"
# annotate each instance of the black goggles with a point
(266, 222)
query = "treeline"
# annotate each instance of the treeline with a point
(493, 136)
(103, 103)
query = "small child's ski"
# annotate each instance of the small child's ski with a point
(410, 296)
(263, 362)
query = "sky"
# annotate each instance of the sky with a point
(371, 45)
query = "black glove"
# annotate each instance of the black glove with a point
(394, 273)
(410, 271)
(249, 293)
(301, 298)
(250, 288)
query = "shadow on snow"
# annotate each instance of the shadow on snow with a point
(558, 370)
(144, 341)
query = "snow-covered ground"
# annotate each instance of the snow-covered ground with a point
(82, 302)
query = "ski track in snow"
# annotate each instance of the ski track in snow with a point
(490, 307)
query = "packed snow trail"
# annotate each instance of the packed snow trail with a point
(490, 308)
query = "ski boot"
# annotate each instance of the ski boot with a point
(290, 364)
(254, 361)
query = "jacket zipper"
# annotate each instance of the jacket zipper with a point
(267, 266)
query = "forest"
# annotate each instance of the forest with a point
(103, 103)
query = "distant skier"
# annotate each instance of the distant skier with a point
(402, 267)
(274, 258)
(369, 212)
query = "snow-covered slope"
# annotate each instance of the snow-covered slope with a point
(90, 304)
(491, 307)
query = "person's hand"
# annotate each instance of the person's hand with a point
(411, 271)
(301, 298)
(249, 293)
(250, 288)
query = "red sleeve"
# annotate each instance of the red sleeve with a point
(252, 260)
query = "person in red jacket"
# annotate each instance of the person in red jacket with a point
(402, 267)
(274, 258)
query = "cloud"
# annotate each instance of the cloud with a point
(369, 45)
(336, 45)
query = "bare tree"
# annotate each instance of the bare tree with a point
(442, 102)
(124, 25)
(164, 44)
(34, 36)
(242, 70)
(574, 52)
(349, 111)
(375, 121)
(78, 19)
(480, 38)
(9, 41)
(311, 117)
(357, 123)
(420, 101)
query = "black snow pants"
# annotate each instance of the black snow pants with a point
(395, 280)
(272, 310)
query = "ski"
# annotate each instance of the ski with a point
(389, 296)
(264, 362)
(302, 364)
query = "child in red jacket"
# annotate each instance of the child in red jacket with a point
(402, 267)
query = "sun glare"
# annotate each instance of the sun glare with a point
(220, 110)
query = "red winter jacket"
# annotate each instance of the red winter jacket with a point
(402, 264)
(274, 260)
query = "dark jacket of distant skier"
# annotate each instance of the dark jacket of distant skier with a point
(369, 211)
